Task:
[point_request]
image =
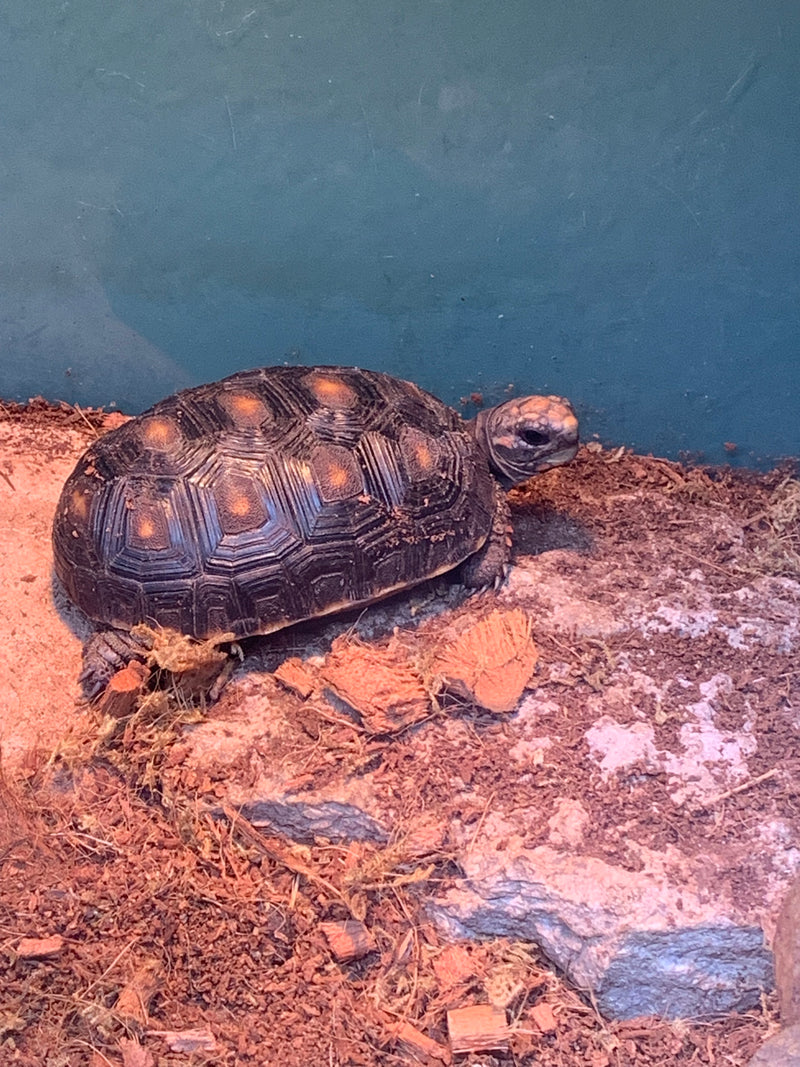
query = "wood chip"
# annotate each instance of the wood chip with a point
(412, 1042)
(378, 683)
(133, 1002)
(198, 1039)
(543, 1017)
(490, 663)
(120, 695)
(478, 1028)
(295, 675)
(426, 834)
(34, 948)
(453, 966)
(134, 1054)
(348, 939)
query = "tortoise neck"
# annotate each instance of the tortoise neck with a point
(481, 429)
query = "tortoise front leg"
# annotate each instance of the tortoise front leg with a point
(105, 653)
(490, 564)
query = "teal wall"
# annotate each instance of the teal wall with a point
(593, 197)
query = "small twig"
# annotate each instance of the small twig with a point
(761, 516)
(110, 967)
(76, 407)
(741, 788)
(75, 836)
(702, 562)
(482, 820)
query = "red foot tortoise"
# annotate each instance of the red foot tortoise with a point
(283, 493)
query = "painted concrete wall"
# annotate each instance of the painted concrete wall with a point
(594, 197)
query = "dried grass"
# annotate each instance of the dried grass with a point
(779, 552)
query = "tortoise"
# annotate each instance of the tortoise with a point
(285, 493)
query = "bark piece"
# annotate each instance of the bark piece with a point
(198, 1039)
(491, 662)
(413, 1042)
(295, 675)
(135, 997)
(36, 948)
(119, 698)
(348, 939)
(543, 1017)
(478, 1028)
(378, 683)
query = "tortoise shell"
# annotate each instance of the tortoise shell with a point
(274, 495)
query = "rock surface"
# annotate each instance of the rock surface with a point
(644, 942)
(781, 1050)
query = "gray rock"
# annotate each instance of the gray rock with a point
(315, 815)
(642, 942)
(264, 790)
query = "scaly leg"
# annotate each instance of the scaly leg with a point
(105, 653)
(490, 564)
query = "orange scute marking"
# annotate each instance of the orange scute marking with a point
(331, 390)
(338, 476)
(424, 455)
(149, 526)
(159, 433)
(421, 453)
(79, 504)
(238, 502)
(246, 404)
(336, 473)
(247, 410)
(240, 506)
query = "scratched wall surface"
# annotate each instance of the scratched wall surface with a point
(593, 197)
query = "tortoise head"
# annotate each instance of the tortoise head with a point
(526, 436)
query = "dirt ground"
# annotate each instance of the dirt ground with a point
(137, 930)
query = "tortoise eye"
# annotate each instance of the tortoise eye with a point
(533, 438)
